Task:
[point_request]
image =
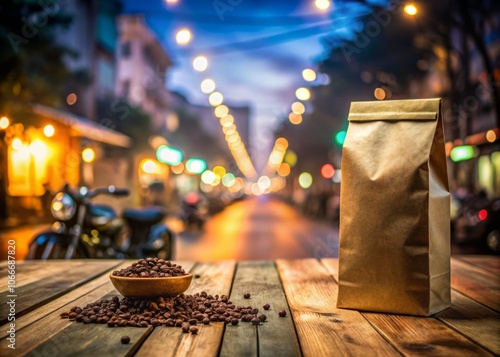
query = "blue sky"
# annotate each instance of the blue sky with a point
(256, 49)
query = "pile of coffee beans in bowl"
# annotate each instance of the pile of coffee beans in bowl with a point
(151, 268)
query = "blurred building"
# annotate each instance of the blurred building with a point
(142, 66)
(70, 144)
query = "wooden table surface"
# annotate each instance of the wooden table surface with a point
(306, 289)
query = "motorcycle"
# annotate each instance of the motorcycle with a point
(86, 230)
(194, 209)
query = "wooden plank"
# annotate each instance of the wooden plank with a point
(66, 299)
(489, 263)
(332, 265)
(214, 278)
(31, 296)
(92, 340)
(324, 330)
(477, 322)
(480, 285)
(276, 336)
(50, 335)
(415, 336)
(34, 271)
(49, 326)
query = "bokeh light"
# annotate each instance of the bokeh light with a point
(208, 177)
(227, 120)
(221, 111)
(322, 4)
(178, 169)
(410, 9)
(183, 37)
(284, 170)
(491, 136)
(228, 180)
(309, 75)
(305, 180)
(148, 166)
(327, 171)
(88, 155)
(219, 171)
(291, 158)
(71, 99)
(49, 131)
(298, 108)
(295, 119)
(207, 86)
(200, 63)
(17, 144)
(215, 99)
(303, 93)
(379, 93)
(4, 123)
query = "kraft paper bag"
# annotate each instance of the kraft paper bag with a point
(394, 252)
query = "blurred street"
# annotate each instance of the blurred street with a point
(259, 228)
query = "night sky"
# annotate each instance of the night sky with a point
(256, 49)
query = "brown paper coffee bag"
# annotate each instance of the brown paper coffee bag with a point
(394, 213)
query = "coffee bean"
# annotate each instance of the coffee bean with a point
(193, 321)
(235, 322)
(255, 311)
(262, 317)
(255, 321)
(150, 268)
(185, 328)
(125, 340)
(267, 307)
(282, 313)
(247, 296)
(206, 321)
(64, 315)
(193, 330)
(111, 324)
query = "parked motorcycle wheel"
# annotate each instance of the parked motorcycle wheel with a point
(53, 245)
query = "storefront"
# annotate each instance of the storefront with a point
(57, 148)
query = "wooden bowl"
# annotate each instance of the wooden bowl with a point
(151, 287)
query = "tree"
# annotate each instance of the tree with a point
(32, 68)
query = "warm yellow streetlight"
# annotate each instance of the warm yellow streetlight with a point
(200, 63)
(322, 4)
(4, 123)
(221, 111)
(309, 75)
(207, 86)
(215, 99)
(410, 9)
(298, 108)
(303, 93)
(49, 130)
(183, 37)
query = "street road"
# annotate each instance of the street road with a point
(259, 228)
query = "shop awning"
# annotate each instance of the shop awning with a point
(82, 127)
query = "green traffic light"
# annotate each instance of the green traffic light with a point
(462, 153)
(340, 137)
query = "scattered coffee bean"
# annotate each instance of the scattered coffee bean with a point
(125, 340)
(247, 296)
(193, 330)
(183, 311)
(255, 321)
(262, 317)
(266, 307)
(282, 313)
